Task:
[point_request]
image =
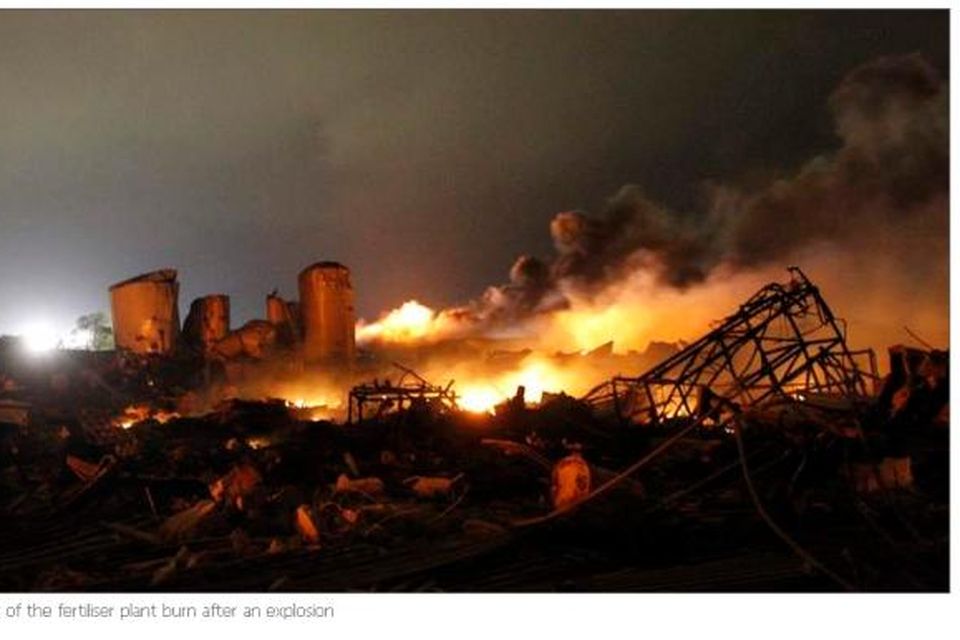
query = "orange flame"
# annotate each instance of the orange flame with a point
(409, 322)
(481, 394)
(136, 413)
(315, 408)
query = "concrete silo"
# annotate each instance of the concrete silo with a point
(285, 317)
(207, 322)
(327, 313)
(146, 318)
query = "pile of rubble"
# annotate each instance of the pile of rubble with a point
(750, 460)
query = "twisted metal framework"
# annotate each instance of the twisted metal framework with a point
(387, 397)
(784, 341)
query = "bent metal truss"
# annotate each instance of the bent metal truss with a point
(784, 341)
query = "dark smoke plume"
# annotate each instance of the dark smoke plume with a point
(892, 168)
(889, 177)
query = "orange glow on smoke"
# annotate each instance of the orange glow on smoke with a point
(631, 311)
(585, 328)
(638, 309)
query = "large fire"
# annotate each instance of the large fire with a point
(480, 398)
(482, 394)
(630, 313)
(410, 322)
(549, 352)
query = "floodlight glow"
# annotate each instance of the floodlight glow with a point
(39, 337)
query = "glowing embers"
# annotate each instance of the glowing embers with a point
(259, 442)
(141, 412)
(315, 408)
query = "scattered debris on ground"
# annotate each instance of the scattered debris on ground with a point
(765, 456)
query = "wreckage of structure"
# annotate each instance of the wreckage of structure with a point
(375, 399)
(784, 341)
(767, 458)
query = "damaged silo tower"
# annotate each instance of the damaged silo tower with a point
(326, 308)
(285, 316)
(146, 318)
(207, 322)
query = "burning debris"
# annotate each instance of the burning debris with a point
(281, 459)
(783, 342)
(409, 392)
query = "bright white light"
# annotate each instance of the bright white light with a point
(39, 337)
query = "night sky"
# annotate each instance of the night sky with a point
(425, 150)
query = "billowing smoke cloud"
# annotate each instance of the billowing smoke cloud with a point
(892, 169)
(888, 178)
(869, 220)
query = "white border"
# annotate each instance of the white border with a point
(547, 616)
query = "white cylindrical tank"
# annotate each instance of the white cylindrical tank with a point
(327, 313)
(146, 317)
